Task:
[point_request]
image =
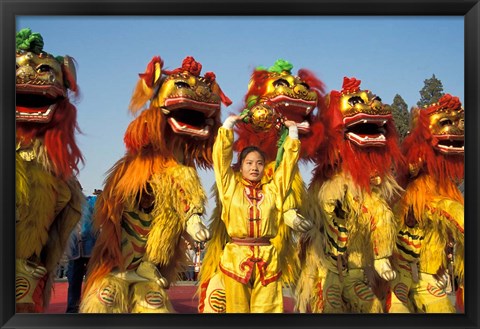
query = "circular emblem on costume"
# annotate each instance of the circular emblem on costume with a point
(333, 296)
(217, 301)
(363, 292)
(435, 291)
(107, 296)
(22, 287)
(401, 291)
(154, 299)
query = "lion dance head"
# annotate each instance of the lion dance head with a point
(183, 114)
(43, 110)
(274, 95)
(362, 139)
(436, 143)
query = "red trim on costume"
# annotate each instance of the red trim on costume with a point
(203, 295)
(234, 276)
(340, 236)
(405, 267)
(138, 249)
(409, 242)
(447, 216)
(388, 301)
(320, 294)
(139, 229)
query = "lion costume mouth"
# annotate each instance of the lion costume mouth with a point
(367, 130)
(36, 104)
(39, 85)
(190, 117)
(294, 109)
(449, 144)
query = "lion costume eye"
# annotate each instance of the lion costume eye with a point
(44, 68)
(182, 84)
(281, 83)
(305, 85)
(445, 122)
(355, 100)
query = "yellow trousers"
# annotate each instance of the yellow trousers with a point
(350, 294)
(114, 295)
(418, 297)
(253, 297)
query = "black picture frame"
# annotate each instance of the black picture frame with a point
(469, 9)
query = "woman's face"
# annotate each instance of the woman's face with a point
(253, 166)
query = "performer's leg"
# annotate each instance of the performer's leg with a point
(267, 299)
(30, 280)
(428, 298)
(75, 274)
(149, 297)
(400, 290)
(332, 294)
(237, 296)
(106, 295)
(358, 295)
(214, 297)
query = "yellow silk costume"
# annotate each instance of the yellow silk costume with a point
(293, 97)
(251, 212)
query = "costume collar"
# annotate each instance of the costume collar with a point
(249, 183)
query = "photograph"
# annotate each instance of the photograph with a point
(304, 164)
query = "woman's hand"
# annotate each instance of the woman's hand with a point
(232, 120)
(290, 123)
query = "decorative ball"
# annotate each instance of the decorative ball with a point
(262, 117)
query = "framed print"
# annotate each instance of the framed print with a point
(393, 48)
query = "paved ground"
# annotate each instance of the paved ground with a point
(181, 296)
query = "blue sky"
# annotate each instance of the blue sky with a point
(391, 55)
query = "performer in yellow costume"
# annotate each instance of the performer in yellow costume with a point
(274, 95)
(430, 239)
(153, 195)
(251, 209)
(48, 196)
(351, 189)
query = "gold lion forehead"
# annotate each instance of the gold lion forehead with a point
(362, 101)
(185, 85)
(39, 72)
(447, 125)
(288, 85)
(445, 121)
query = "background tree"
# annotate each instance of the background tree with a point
(431, 91)
(401, 116)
